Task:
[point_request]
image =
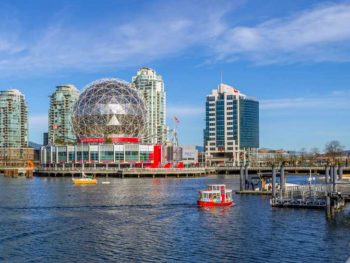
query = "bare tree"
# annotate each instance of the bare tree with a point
(334, 149)
(314, 153)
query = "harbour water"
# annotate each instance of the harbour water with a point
(157, 220)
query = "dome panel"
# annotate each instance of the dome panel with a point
(109, 108)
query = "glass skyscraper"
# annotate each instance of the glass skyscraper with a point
(231, 131)
(60, 113)
(151, 87)
(13, 119)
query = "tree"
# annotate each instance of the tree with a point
(334, 149)
(314, 153)
(303, 155)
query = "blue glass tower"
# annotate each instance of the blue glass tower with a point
(249, 123)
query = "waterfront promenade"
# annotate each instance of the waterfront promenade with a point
(126, 172)
(171, 172)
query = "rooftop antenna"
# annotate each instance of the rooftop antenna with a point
(221, 78)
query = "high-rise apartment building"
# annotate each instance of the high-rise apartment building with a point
(232, 126)
(151, 86)
(13, 119)
(60, 112)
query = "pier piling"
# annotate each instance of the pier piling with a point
(334, 178)
(242, 179)
(246, 177)
(327, 174)
(282, 180)
(340, 177)
(273, 181)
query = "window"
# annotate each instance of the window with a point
(131, 155)
(94, 156)
(107, 156)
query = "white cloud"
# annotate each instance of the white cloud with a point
(151, 36)
(319, 34)
(314, 35)
(333, 102)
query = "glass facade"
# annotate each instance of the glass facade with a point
(231, 124)
(249, 123)
(220, 122)
(102, 153)
(13, 119)
(151, 86)
(60, 114)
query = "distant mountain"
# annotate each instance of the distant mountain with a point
(34, 145)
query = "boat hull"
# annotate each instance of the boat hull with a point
(212, 204)
(84, 181)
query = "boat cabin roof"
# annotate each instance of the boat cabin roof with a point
(215, 191)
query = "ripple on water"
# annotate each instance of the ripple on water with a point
(158, 220)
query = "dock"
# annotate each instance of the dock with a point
(125, 172)
(330, 195)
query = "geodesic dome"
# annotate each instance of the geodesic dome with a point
(109, 108)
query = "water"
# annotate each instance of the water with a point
(157, 220)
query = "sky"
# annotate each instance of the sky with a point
(293, 56)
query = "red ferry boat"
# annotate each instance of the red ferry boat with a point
(215, 195)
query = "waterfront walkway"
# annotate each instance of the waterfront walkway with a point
(126, 172)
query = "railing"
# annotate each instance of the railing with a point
(317, 187)
(117, 169)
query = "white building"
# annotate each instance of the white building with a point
(151, 86)
(13, 119)
(231, 132)
(60, 113)
(189, 154)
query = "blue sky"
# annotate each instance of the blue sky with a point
(293, 56)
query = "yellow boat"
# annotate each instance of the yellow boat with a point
(84, 180)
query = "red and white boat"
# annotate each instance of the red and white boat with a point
(215, 195)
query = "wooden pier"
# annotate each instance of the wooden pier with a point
(125, 172)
